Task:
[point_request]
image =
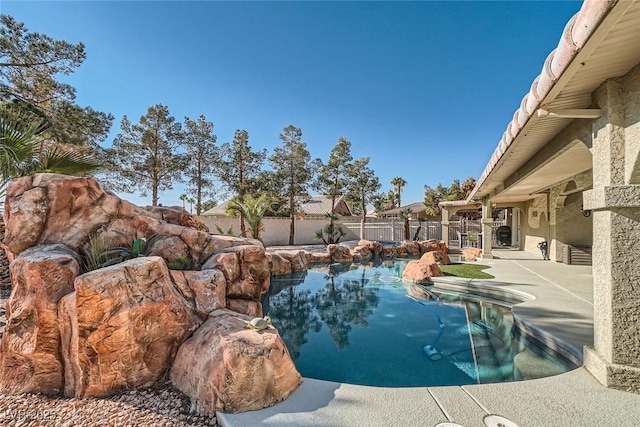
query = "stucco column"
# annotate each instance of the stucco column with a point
(615, 203)
(487, 225)
(445, 225)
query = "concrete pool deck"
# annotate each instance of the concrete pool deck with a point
(563, 307)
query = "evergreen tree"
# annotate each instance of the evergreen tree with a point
(238, 166)
(468, 185)
(292, 170)
(144, 156)
(30, 64)
(363, 187)
(333, 177)
(432, 197)
(199, 143)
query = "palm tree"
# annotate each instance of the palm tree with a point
(398, 183)
(183, 197)
(253, 210)
(405, 214)
(23, 152)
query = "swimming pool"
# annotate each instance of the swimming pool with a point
(363, 325)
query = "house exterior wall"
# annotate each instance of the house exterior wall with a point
(615, 201)
(569, 225)
(534, 224)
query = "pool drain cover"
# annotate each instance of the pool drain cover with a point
(447, 424)
(498, 421)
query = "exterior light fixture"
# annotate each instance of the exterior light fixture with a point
(586, 113)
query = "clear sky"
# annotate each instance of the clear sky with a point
(425, 89)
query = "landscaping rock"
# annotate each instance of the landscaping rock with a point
(374, 247)
(30, 359)
(205, 290)
(243, 306)
(278, 265)
(246, 269)
(438, 257)
(226, 367)
(360, 253)
(320, 257)
(121, 328)
(339, 253)
(421, 272)
(471, 254)
(390, 252)
(409, 248)
(297, 259)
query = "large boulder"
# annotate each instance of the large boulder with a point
(409, 248)
(297, 259)
(420, 272)
(360, 253)
(278, 265)
(433, 245)
(339, 253)
(30, 359)
(226, 367)
(51, 208)
(471, 254)
(246, 269)
(204, 291)
(436, 257)
(374, 247)
(122, 327)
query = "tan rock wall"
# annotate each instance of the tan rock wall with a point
(30, 358)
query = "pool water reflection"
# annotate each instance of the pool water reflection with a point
(363, 325)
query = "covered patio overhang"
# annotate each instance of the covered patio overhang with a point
(581, 117)
(601, 42)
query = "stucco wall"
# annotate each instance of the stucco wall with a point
(276, 230)
(535, 224)
(569, 225)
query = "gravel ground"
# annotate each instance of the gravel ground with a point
(162, 406)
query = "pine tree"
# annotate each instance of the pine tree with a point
(238, 166)
(30, 64)
(333, 177)
(144, 156)
(199, 143)
(293, 170)
(363, 187)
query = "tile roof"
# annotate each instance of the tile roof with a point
(576, 33)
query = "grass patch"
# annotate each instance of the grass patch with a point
(468, 271)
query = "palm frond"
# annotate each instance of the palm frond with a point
(62, 161)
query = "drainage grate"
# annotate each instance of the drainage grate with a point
(498, 421)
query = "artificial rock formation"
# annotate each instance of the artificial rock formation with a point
(471, 254)
(437, 257)
(421, 272)
(120, 327)
(226, 367)
(30, 348)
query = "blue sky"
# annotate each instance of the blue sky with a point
(425, 89)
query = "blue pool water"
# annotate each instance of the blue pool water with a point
(362, 325)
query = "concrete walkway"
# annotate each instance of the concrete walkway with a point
(561, 306)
